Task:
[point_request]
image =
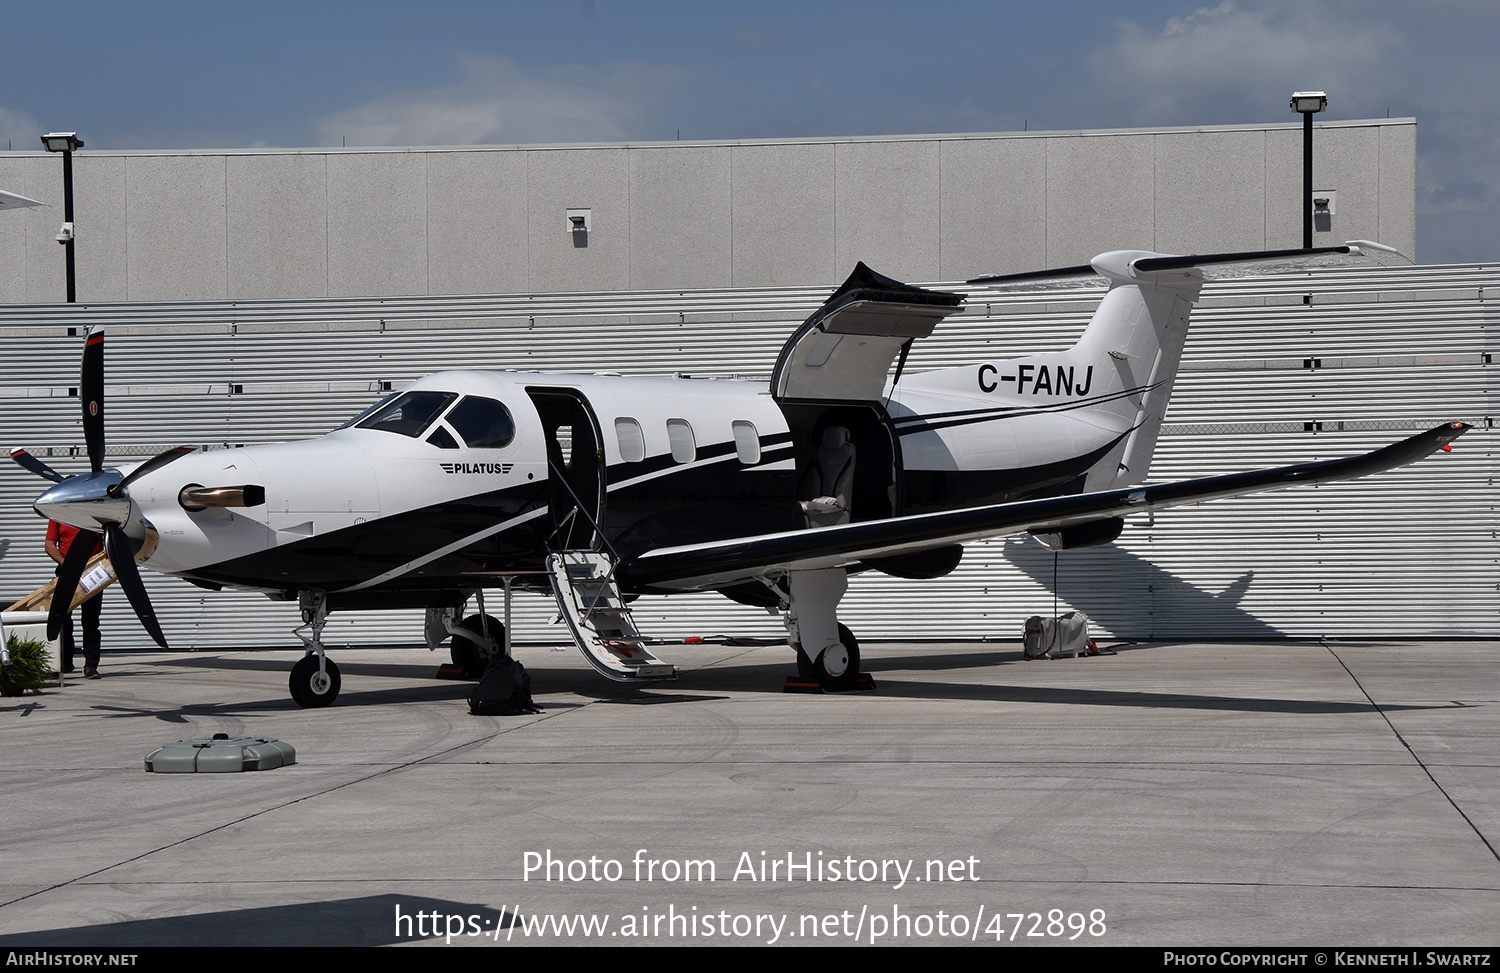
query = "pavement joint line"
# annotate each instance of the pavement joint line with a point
(82, 879)
(1376, 706)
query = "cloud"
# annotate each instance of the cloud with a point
(1244, 62)
(499, 102)
(1240, 62)
(19, 130)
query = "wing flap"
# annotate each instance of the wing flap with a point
(720, 563)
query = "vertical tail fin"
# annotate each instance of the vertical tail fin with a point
(1135, 342)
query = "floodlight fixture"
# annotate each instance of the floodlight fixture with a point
(62, 142)
(1309, 102)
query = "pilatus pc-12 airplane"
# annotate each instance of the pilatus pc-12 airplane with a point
(597, 489)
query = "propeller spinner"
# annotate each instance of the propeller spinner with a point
(97, 502)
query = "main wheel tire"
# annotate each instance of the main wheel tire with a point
(467, 655)
(311, 687)
(836, 673)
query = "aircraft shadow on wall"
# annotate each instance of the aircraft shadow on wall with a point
(1119, 611)
(596, 489)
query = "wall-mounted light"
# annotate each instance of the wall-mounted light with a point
(580, 221)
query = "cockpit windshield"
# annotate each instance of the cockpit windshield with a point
(407, 413)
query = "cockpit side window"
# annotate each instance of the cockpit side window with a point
(408, 413)
(483, 423)
(442, 438)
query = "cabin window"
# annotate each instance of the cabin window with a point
(631, 439)
(680, 436)
(483, 423)
(746, 442)
(409, 413)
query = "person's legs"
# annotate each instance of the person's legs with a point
(66, 643)
(91, 638)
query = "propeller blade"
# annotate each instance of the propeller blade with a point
(73, 564)
(91, 394)
(154, 463)
(122, 559)
(29, 462)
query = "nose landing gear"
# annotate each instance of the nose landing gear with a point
(315, 679)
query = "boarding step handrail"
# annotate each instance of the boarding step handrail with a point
(589, 600)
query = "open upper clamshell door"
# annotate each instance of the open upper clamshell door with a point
(845, 350)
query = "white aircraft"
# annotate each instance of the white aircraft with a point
(601, 488)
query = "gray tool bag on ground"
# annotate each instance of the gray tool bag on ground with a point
(1067, 635)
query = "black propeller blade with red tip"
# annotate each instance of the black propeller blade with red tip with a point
(31, 463)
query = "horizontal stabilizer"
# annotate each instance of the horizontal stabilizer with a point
(1355, 253)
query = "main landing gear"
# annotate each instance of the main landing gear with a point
(475, 643)
(472, 643)
(315, 679)
(826, 650)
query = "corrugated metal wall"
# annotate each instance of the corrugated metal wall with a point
(1278, 369)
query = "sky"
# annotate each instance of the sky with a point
(214, 75)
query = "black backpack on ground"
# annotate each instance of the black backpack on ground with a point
(503, 690)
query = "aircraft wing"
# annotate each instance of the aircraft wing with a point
(721, 563)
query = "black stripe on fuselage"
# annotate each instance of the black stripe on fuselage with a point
(914, 424)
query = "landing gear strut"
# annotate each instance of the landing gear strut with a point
(826, 650)
(315, 679)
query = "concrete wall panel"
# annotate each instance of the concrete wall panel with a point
(31, 261)
(680, 226)
(101, 210)
(1099, 196)
(377, 223)
(1398, 188)
(1284, 188)
(887, 199)
(476, 222)
(277, 225)
(1210, 192)
(593, 179)
(783, 202)
(178, 252)
(993, 200)
(1348, 160)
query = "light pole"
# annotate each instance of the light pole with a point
(1308, 104)
(66, 143)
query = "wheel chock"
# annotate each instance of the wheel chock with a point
(863, 683)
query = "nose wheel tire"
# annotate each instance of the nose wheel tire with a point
(834, 670)
(311, 687)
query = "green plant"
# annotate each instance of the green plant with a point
(30, 664)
